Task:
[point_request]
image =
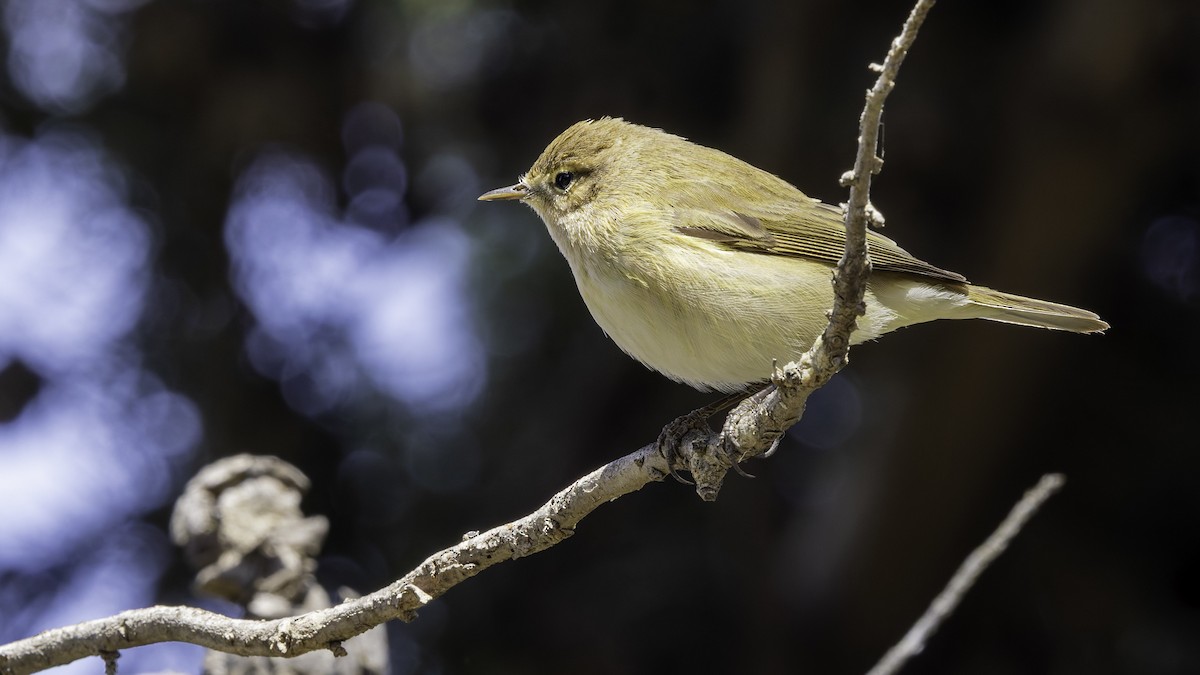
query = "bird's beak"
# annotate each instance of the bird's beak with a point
(517, 191)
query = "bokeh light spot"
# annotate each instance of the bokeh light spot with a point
(342, 305)
(63, 55)
(1171, 257)
(99, 441)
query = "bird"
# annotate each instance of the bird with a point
(710, 270)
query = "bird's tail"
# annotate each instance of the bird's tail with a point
(986, 303)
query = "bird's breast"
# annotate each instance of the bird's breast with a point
(705, 316)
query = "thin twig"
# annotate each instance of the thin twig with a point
(110, 662)
(979, 560)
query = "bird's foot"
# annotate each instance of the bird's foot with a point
(681, 441)
(689, 427)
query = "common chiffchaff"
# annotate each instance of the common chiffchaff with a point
(710, 270)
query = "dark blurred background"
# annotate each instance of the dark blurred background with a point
(250, 226)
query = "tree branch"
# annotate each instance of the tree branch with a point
(947, 601)
(755, 426)
(751, 429)
(328, 628)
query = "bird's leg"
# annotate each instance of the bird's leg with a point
(695, 423)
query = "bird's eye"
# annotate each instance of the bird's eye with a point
(563, 180)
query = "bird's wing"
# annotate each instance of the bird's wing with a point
(815, 232)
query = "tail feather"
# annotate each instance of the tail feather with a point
(1008, 308)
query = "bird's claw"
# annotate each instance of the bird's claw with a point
(676, 433)
(737, 466)
(673, 435)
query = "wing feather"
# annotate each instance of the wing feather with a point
(791, 230)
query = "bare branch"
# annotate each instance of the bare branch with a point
(755, 426)
(328, 628)
(979, 560)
